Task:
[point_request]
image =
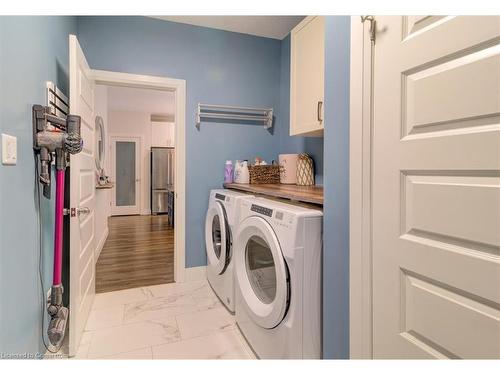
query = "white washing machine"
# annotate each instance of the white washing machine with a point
(277, 260)
(220, 227)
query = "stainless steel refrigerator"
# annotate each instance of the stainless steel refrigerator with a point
(162, 178)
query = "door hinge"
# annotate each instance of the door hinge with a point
(373, 26)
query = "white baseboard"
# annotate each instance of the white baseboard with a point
(195, 273)
(100, 245)
(146, 212)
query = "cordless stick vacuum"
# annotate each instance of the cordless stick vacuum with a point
(54, 137)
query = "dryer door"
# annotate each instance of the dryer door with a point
(261, 272)
(217, 237)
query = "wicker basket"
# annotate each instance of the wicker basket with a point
(264, 174)
(305, 170)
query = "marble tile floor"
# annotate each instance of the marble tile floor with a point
(168, 321)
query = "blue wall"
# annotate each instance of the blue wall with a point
(294, 145)
(336, 180)
(33, 50)
(219, 68)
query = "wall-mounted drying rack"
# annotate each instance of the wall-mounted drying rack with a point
(242, 114)
(57, 100)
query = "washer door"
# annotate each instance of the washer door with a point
(217, 237)
(261, 272)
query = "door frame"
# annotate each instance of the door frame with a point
(360, 192)
(113, 138)
(178, 86)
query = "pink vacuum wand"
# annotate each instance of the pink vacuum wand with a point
(58, 228)
(54, 136)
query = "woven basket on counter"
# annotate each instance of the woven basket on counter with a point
(264, 174)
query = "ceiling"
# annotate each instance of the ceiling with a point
(141, 100)
(276, 27)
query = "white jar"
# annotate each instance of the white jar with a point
(288, 168)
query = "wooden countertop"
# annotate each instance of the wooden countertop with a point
(309, 194)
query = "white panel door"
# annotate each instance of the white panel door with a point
(82, 195)
(125, 173)
(436, 187)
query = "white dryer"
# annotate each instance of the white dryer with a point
(220, 226)
(277, 259)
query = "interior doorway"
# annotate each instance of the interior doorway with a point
(135, 215)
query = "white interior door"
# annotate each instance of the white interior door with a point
(436, 187)
(126, 172)
(82, 195)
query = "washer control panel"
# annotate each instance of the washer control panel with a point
(220, 196)
(262, 210)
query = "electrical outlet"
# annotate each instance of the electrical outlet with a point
(9, 150)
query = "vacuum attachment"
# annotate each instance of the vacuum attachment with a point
(57, 326)
(58, 316)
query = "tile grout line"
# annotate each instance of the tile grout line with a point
(152, 321)
(240, 346)
(148, 298)
(127, 351)
(124, 323)
(118, 353)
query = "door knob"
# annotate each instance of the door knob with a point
(82, 210)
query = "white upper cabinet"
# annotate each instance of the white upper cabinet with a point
(307, 75)
(162, 134)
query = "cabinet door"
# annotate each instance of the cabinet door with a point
(307, 77)
(162, 134)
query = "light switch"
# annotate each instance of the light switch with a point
(9, 149)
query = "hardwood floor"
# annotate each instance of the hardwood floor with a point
(139, 252)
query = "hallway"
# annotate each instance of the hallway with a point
(138, 252)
